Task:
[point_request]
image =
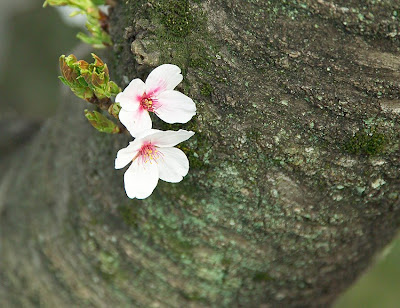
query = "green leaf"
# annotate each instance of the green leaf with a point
(96, 42)
(75, 13)
(114, 110)
(82, 81)
(55, 2)
(101, 123)
(64, 81)
(98, 2)
(114, 89)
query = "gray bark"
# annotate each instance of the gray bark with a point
(294, 181)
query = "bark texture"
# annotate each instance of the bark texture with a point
(294, 181)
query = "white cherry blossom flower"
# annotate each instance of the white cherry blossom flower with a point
(153, 157)
(156, 95)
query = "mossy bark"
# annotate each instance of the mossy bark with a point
(295, 166)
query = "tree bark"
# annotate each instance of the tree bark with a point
(294, 181)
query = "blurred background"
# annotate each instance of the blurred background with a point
(31, 41)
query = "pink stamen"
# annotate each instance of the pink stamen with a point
(148, 153)
(149, 103)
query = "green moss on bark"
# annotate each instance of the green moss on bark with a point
(176, 16)
(206, 89)
(366, 143)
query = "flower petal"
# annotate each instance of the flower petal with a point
(162, 78)
(125, 155)
(135, 121)
(140, 179)
(173, 165)
(168, 138)
(130, 98)
(144, 133)
(175, 107)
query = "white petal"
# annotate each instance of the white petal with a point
(140, 179)
(130, 98)
(175, 107)
(169, 138)
(143, 134)
(173, 165)
(135, 121)
(125, 155)
(162, 78)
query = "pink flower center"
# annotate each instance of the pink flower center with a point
(147, 103)
(149, 153)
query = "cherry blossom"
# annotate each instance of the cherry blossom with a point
(156, 95)
(153, 156)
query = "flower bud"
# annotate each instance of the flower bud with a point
(88, 81)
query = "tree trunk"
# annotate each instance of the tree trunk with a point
(294, 181)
